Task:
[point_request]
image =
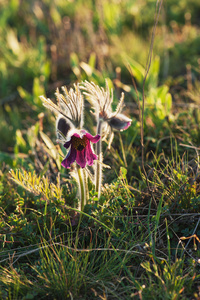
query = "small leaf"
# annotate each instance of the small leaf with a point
(87, 68)
(51, 149)
(123, 173)
(92, 60)
(74, 62)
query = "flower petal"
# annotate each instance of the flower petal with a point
(91, 138)
(69, 140)
(90, 156)
(80, 158)
(127, 125)
(70, 158)
(76, 134)
(67, 144)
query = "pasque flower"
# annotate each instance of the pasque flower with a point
(78, 142)
(101, 99)
(70, 133)
(119, 122)
(107, 120)
(80, 149)
(69, 125)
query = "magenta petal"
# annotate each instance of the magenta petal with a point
(76, 134)
(70, 158)
(93, 139)
(128, 124)
(76, 154)
(67, 144)
(90, 156)
(80, 158)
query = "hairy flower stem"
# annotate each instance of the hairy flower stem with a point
(81, 187)
(98, 171)
(85, 178)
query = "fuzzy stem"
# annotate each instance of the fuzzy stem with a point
(81, 187)
(85, 178)
(98, 171)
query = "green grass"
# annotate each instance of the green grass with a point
(141, 239)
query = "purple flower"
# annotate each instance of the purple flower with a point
(119, 122)
(101, 99)
(80, 149)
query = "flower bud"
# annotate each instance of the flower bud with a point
(119, 122)
(63, 126)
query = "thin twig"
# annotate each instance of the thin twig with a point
(191, 237)
(148, 65)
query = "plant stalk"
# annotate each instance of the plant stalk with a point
(85, 178)
(81, 187)
(98, 171)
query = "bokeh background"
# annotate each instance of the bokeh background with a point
(47, 44)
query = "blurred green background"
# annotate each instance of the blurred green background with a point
(46, 44)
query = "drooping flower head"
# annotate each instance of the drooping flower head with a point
(108, 120)
(101, 100)
(80, 149)
(119, 122)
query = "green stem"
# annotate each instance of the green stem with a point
(81, 187)
(85, 178)
(81, 178)
(98, 174)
